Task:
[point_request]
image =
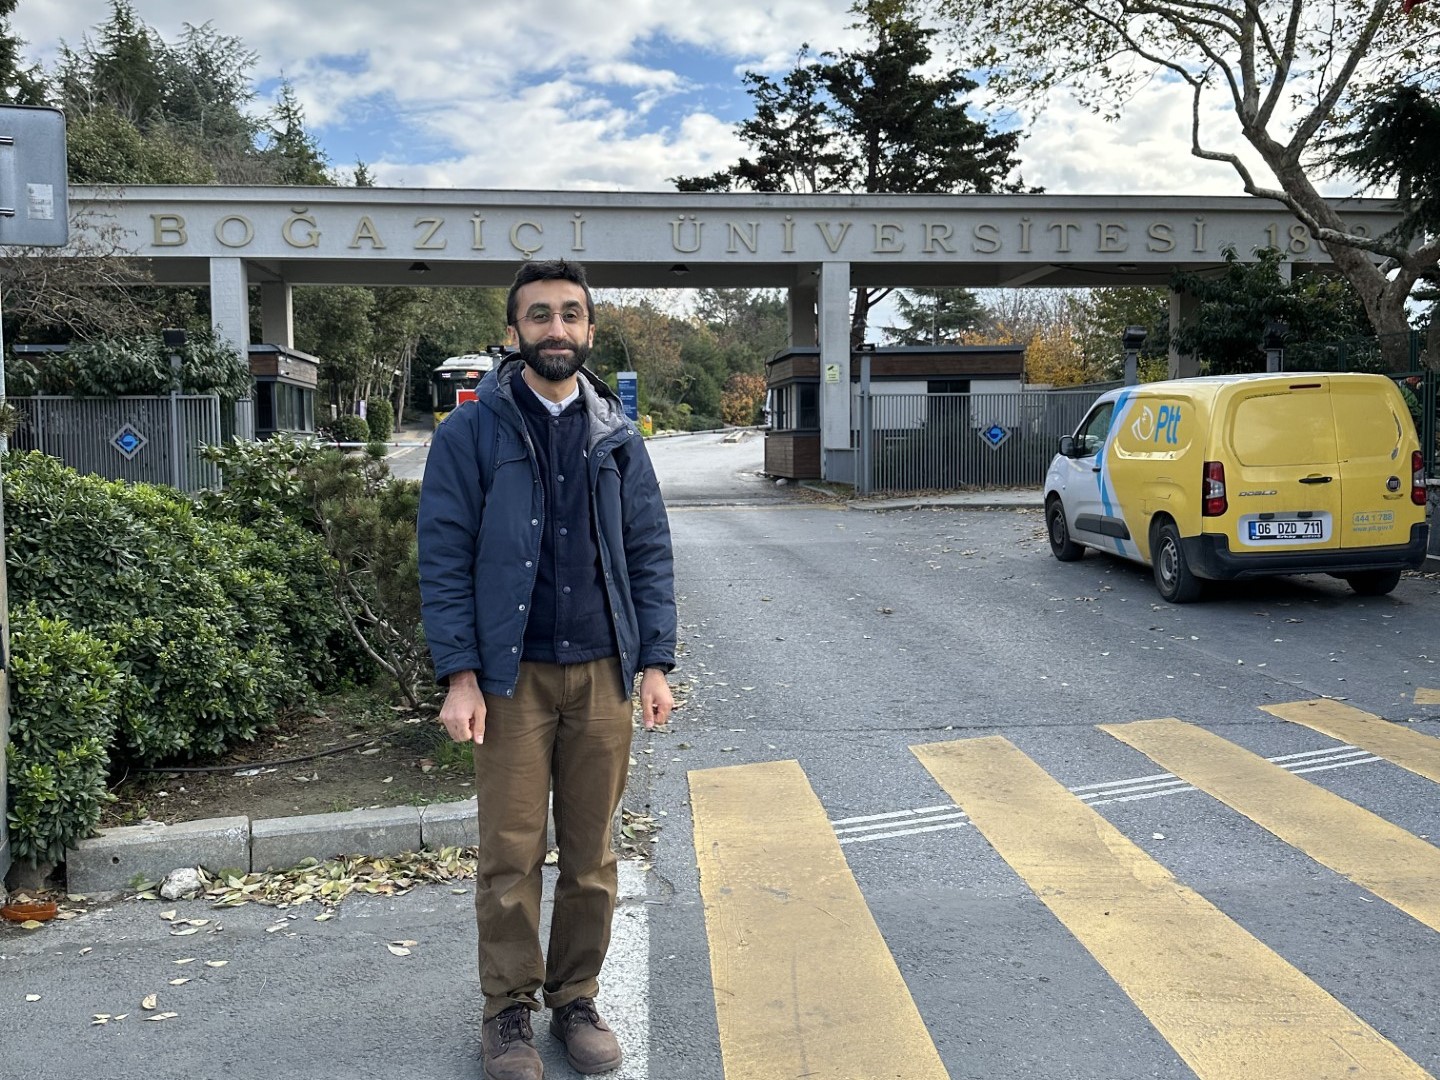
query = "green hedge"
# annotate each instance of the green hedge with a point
(65, 691)
(380, 418)
(348, 429)
(175, 629)
(201, 613)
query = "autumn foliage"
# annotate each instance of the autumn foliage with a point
(742, 398)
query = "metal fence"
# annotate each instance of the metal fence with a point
(917, 442)
(154, 440)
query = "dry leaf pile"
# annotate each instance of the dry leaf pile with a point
(330, 882)
(637, 833)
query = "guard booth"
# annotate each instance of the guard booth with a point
(925, 383)
(284, 394)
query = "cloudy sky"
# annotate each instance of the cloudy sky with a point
(574, 94)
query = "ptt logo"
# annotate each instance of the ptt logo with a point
(1148, 427)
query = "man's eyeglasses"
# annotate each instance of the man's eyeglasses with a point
(544, 316)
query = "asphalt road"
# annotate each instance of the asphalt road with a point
(838, 905)
(840, 640)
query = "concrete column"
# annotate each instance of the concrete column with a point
(834, 320)
(1182, 308)
(800, 302)
(277, 314)
(229, 303)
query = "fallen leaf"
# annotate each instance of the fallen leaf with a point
(396, 950)
(187, 960)
(178, 982)
(31, 924)
(198, 922)
(168, 916)
(185, 931)
(277, 926)
(216, 963)
(163, 1016)
(148, 1001)
(325, 916)
(32, 997)
(406, 944)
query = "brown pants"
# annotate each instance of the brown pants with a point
(570, 724)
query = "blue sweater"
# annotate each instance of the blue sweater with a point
(569, 621)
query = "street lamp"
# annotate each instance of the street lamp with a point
(1132, 341)
(1276, 331)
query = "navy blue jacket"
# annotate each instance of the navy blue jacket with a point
(482, 513)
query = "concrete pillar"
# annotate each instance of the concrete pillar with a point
(1182, 308)
(834, 320)
(800, 302)
(230, 303)
(277, 314)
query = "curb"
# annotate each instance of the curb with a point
(975, 501)
(107, 864)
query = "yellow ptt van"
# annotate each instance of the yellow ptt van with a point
(1245, 476)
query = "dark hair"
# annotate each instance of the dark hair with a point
(548, 270)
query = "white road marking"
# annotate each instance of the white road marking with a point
(925, 819)
(625, 982)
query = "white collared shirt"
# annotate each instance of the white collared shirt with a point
(555, 408)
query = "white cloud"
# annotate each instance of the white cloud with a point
(580, 95)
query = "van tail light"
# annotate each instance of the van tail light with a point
(1215, 501)
(1417, 478)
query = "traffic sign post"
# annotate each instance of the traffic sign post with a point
(34, 212)
(627, 385)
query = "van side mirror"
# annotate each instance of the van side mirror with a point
(1067, 445)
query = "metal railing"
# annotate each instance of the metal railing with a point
(919, 442)
(153, 440)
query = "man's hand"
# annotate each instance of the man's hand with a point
(463, 713)
(656, 701)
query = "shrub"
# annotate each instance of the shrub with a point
(64, 696)
(348, 429)
(196, 613)
(133, 365)
(380, 417)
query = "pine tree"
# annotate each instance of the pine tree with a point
(870, 121)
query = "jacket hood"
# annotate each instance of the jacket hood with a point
(602, 405)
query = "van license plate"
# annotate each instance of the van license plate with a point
(1292, 529)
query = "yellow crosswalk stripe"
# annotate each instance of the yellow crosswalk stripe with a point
(1231, 1007)
(1400, 745)
(804, 983)
(1393, 864)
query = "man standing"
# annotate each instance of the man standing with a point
(547, 584)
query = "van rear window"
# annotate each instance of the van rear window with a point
(1368, 425)
(1283, 429)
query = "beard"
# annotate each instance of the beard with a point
(555, 367)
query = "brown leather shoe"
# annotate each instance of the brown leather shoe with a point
(507, 1046)
(590, 1045)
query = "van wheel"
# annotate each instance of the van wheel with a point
(1172, 573)
(1373, 582)
(1065, 549)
